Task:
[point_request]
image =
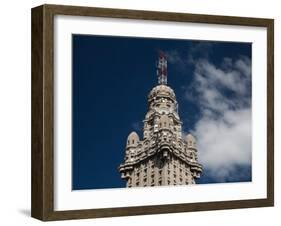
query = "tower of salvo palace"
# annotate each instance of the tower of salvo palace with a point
(163, 156)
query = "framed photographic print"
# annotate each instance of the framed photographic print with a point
(141, 112)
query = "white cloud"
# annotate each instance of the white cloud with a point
(233, 77)
(225, 142)
(224, 131)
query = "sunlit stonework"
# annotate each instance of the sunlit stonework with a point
(164, 156)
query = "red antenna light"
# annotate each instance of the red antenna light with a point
(162, 68)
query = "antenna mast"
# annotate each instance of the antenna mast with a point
(162, 69)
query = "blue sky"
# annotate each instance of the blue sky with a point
(112, 77)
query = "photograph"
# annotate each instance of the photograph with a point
(150, 112)
(125, 113)
(147, 112)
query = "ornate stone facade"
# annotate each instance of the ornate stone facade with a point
(163, 156)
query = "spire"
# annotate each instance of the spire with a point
(162, 141)
(162, 68)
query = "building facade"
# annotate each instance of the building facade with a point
(164, 156)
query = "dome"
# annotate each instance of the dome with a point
(162, 90)
(133, 139)
(191, 141)
(190, 137)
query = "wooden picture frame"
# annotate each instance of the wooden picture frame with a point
(42, 204)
